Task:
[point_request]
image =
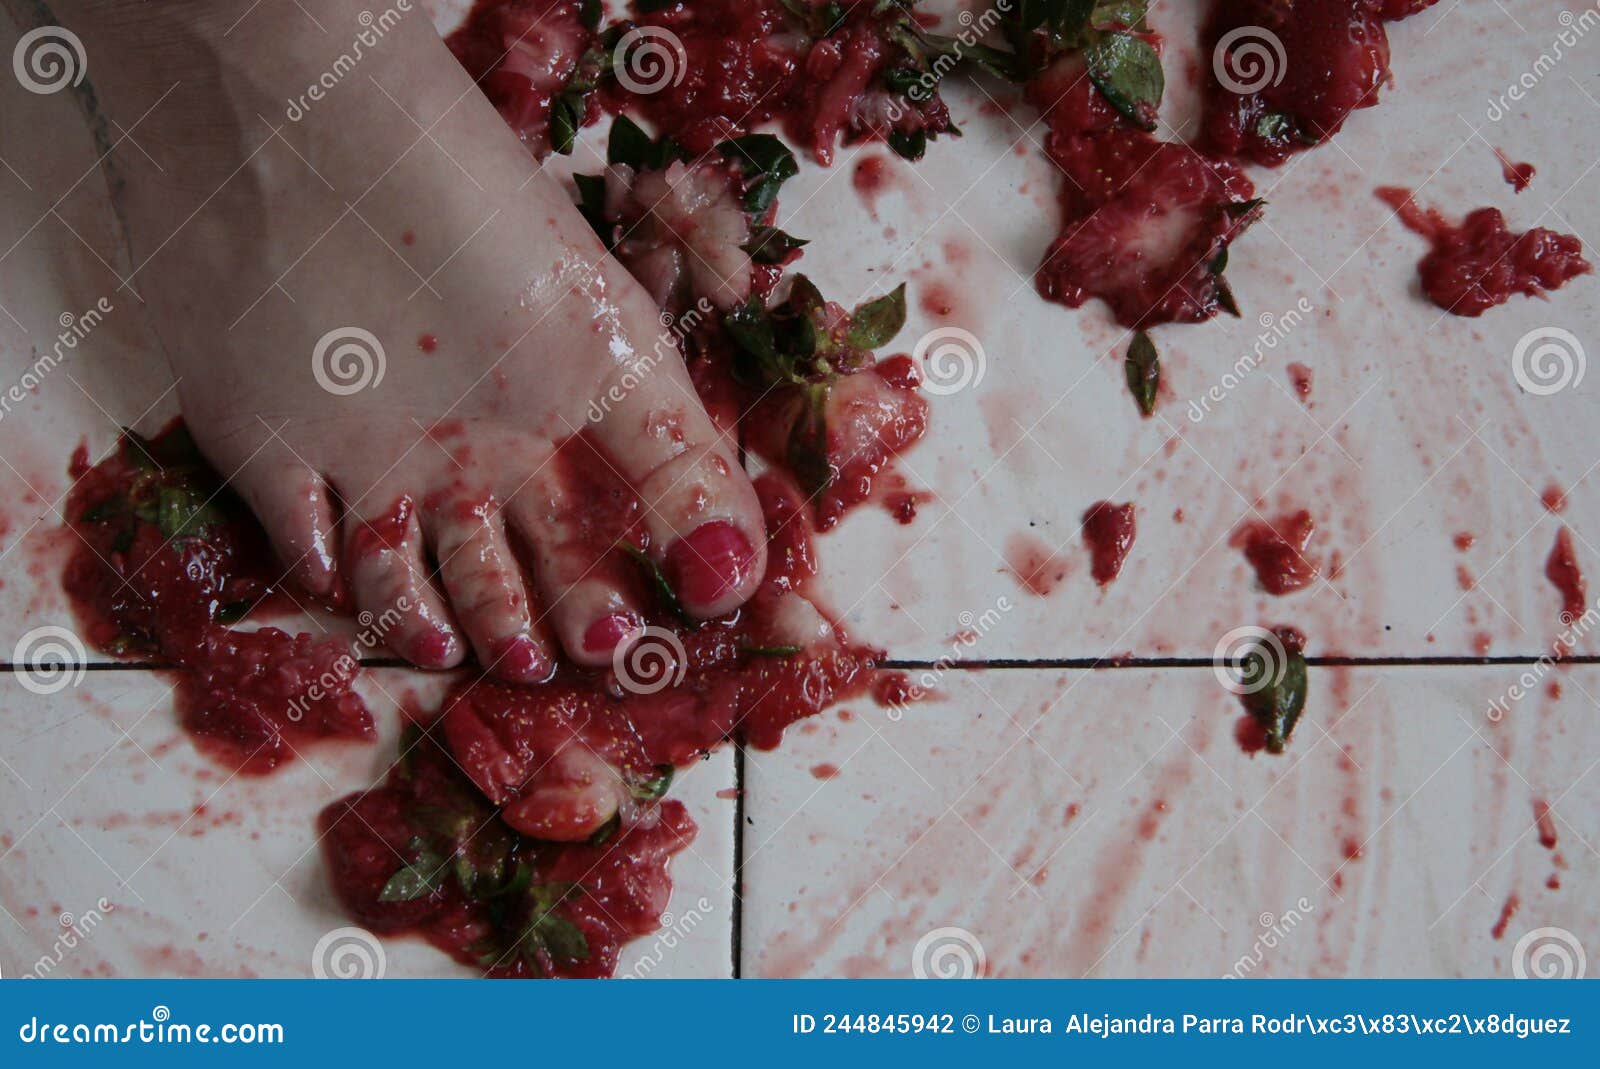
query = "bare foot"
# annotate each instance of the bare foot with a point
(382, 303)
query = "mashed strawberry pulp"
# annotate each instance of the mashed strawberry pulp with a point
(523, 830)
(1480, 263)
(1146, 223)
(744, 63)
(166, 560)
(1288, 74)
(1108, 530)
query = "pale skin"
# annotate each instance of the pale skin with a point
(400, 204)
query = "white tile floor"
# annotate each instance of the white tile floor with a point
(958, 814)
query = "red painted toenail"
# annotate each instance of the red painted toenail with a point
(604, 634)
(431, 649)
(520, 660)
(710, 561)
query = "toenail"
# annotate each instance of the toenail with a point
(604, 634)
(432, 649)
(520, 660)
(710, 561)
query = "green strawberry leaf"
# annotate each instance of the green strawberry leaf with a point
(769, 245)
(876, 322)
(1127, 71)
(650, 788)
(1278, 705)
(767, 164)
(656, 577)
(1143, 367)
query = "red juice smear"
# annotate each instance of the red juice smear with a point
(1546, 823)
(1300, 377)
(1507, 911)
(1517, 175)
(1561, 568)
(871, 177)
(1249, 733)
(1034, 564)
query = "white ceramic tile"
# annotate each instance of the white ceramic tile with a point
(1106, 823)
(102, 793)
(1416, 430)
(60, 256)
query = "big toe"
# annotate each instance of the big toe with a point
(700, 508)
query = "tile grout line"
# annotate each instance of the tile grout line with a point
(983, 664)
(737, 941)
